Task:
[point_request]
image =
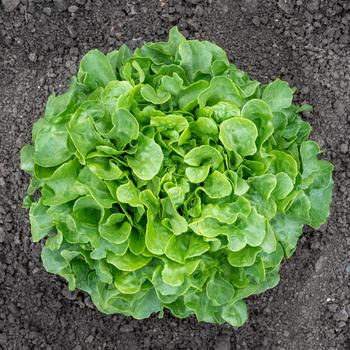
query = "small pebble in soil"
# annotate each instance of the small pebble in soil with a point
(88, 302)
(68, 294)
(61, 5)
(126, 329)
(313, 5)
(10, 5)
(249, 6)
(320, 263)
(344, 148)
(32, 57)
(89, 339)
(286, 6)
(341, 315)
(73, 9)
(256, 21)
(47, 11)
(332, 307)
(222, 343)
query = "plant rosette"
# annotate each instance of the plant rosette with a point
(167, 178)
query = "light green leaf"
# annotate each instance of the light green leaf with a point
(170, 122)
(116, 229)
(51, 145)
(174, 274)
(41, 222)
(60, 187)
(284, 162)
(118, 58)
(27, 159)
(129, 193)
(147, 160)
(89, 183)
(203, 155)
(87, 210)
(145, 306)
(216, 185)
(157, 235)
(128, 261)
(82, 130)
(103, 271)
(235, 314)
(219, 291)
(195, 58)
(260, 113)
(58, 107)
(54, 242)
(283, 187)
(188, 97)
(95, 70)
(104, 168)
(239, 135)
(250, 230)
(221, 89)
(197, 174)
(243, 257)
(157, 98)
(125, 127)
(203, 307)
(320, 194)
(185, 246)
(278, 95)
(131, 282)
(210, 227)
(227, 212)
(221, 111)
(172, 219)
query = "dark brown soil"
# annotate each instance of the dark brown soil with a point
(306, 42)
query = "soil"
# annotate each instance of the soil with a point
(306, 42)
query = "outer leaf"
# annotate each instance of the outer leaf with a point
(51, 148)
(219, 290)
(26, 157)
(195, 58)
(220, 89)
(278, 95)
(40, 221)
(174, 273)
(95, 70)
(236, 313)
(320, 197)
